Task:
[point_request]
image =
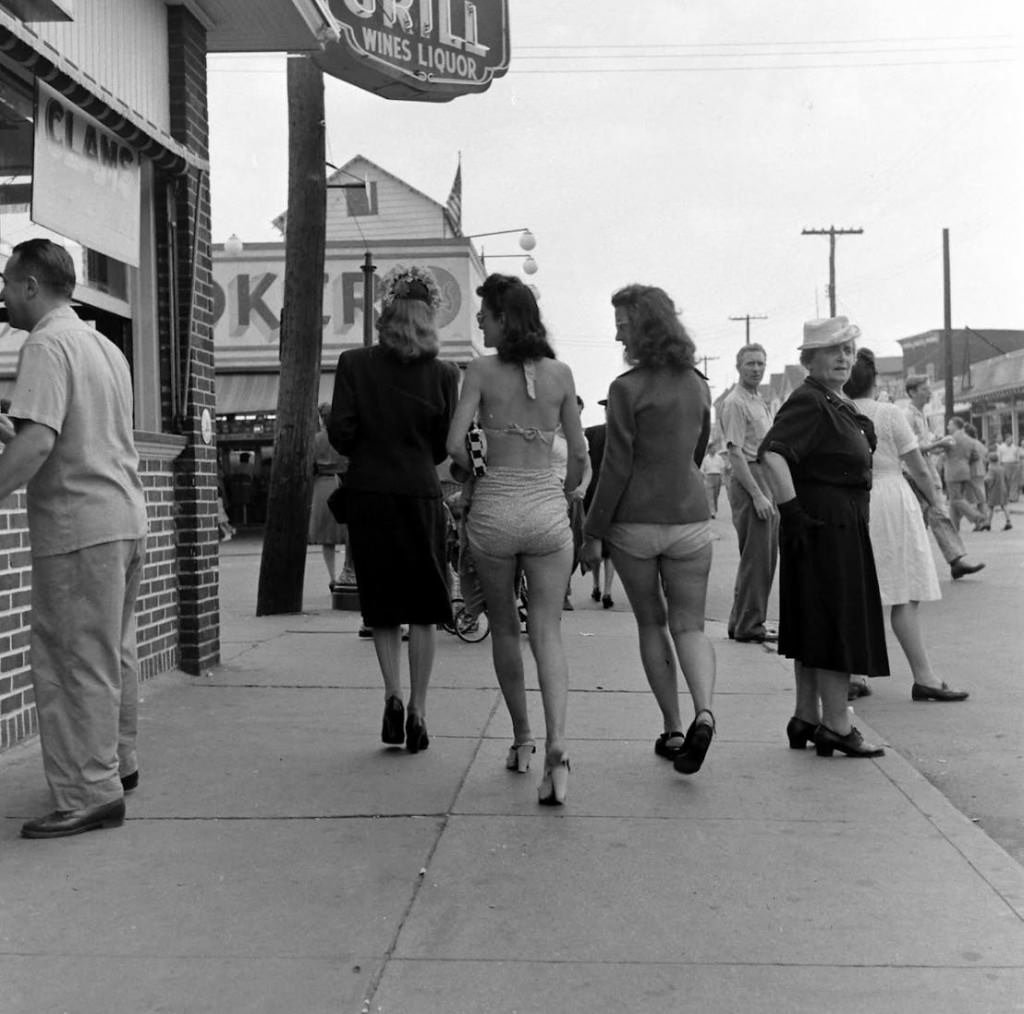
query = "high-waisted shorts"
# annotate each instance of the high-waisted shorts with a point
(518, 511)
(645, 541)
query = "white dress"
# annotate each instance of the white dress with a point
(903, 554)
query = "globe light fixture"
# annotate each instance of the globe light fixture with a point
(233, 246)
(529, 265)
(527, 241)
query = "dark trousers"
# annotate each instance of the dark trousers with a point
(759, 551)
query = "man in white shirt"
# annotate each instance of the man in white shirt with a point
(745, 419)
(1009, 458)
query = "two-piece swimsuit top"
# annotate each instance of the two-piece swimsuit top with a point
(528, 433)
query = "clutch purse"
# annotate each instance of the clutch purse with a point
(476, 450)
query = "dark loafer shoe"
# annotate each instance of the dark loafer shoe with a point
(62, 823)
(919, 692)
(852, 744)
(959, 570)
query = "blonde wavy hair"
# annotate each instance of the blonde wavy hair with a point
(406, 328)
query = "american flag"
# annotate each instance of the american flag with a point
(454, 205)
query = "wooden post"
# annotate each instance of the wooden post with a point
(283, 564)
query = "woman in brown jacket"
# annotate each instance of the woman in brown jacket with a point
(650, 506)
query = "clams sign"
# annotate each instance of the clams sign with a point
(421, 50)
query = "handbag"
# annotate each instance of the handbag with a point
(337, 504)
(476, 450)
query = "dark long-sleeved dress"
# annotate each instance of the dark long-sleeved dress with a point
(830, 610)
(391, 418)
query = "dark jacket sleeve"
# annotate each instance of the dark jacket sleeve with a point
(342, 425)
(796, 430)
(450, 398)
(617, 463)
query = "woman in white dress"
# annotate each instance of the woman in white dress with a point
(903, 556)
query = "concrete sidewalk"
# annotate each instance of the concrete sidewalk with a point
(278, 859)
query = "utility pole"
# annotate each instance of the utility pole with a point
(947, 328)
(748, 317)
(831, 232)
(283, 563)
(704, 362)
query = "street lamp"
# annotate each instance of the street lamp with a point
(527, 241)
(233, 246)
(368, 267)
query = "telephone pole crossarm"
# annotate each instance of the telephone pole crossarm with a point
(748, 317)
(831, 232)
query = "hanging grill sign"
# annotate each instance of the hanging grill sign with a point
(419, 50)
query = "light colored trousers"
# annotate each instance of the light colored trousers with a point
(946, 535)
(85, 669)
(759, 552)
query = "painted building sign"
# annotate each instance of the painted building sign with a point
(420, 50)
(248, 294)
(86, 181)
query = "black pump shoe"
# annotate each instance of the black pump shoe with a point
(799, 733)
(391, 728)
(416, 737)
(698, 738)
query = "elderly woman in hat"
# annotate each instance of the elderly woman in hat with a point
(818, 459)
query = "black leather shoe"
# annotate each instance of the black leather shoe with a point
(391, 731)
(959, 570)
(799, 733)
(130, 782)
(62, 823)
(416, 737)
(919, 692)
(852, 744)
(695, 747)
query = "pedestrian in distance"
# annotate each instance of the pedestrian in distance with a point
(601, 590)
(818, 458)
(1010, 458)
(937, 519)
(961, 458)
(979, 465)
(324, 529)
(995, 491)
(903, 555)
(712, 468)
(74, 450)
(517, 518)
(390, 413)
(745, 418)
(651, 507)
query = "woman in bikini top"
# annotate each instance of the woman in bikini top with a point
(519, 398)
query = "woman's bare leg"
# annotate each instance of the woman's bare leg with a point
(421, 665)
(545, 578)
(497, 581)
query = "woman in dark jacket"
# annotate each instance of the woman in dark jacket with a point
(818, 459)
(650, 506)
(390, 414)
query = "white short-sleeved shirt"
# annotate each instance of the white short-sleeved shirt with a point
(745, 419)
(76, 382)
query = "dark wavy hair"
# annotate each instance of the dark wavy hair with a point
(525, 334)
(657, 335)
(863, 375)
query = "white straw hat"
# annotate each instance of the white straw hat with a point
(827, 332)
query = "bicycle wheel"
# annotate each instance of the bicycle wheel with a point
(457, 606)
(471, 628)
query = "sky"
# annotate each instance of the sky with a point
(687, 145)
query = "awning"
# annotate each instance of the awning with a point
(238, 393)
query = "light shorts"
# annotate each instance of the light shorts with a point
(645, 541)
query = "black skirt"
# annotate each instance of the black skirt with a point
(830, 609)
(397, 545)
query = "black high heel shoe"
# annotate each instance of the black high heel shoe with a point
(416, 737)
(800, 733)
(695, 747)
(391, 728)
